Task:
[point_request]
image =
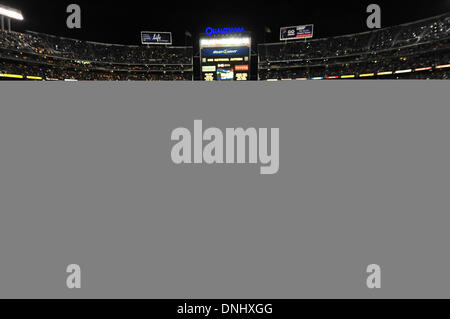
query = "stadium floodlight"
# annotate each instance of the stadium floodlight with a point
(11, 13)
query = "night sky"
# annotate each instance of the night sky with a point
(112, 22)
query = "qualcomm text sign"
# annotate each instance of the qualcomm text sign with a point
(210, 31)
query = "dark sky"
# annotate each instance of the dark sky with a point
(122, 21)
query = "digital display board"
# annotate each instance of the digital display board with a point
(225, 58)
(154, 37)
(297, 32)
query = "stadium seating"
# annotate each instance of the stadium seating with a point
(415, 50)
(40, 56)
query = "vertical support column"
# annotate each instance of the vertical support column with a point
(9, 24)
(3, 23)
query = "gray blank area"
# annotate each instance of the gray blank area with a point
(86, 178)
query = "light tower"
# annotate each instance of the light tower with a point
(9, 13)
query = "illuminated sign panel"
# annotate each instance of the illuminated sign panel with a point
(152, 37)
(209, 68)
(241, 67)
(243, 51)
(225, 57)
(296, 32)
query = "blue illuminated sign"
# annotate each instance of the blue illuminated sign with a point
(240, 51)
(211, 31)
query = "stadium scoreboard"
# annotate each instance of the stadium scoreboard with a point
(225, 58)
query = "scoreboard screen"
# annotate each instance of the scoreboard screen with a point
(225, 59)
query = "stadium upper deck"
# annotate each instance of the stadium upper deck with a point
(392, 52)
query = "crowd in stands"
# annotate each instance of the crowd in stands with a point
(87, 74)
(415, 45)
(59, 58)
(91, 51)
(373, 63)
(422, 44)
